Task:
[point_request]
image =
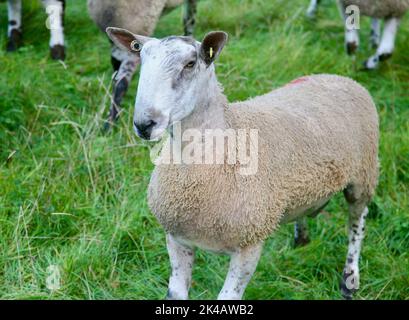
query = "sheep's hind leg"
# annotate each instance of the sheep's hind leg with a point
(14, 28)
(189, 16)
(386, 46)
(356, 226)
(301, 237)
(243, 263)
(312, 9)
(124, 65)
(181, 261)
(55, 10)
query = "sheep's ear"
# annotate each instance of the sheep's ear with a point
(126, 40)
(212, 45)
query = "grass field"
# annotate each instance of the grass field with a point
(75, 198)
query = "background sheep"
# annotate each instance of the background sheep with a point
(317, 136)
(55, 11)
(375, 25)
(389, 10)
(141, 17)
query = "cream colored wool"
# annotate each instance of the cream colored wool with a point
(380, 8)
(316, 137)
(138, 16)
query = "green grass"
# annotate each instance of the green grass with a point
(74, 198)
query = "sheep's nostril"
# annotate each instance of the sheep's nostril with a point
(150, 124)
(144, 129)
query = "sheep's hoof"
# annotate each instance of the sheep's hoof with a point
(345, 292)
(110, 122)
(169, 295)
(311, 15)
(345, 285)
(174, 296)
(14, 41)
(351, 48)
(385, 56)
(113, 117)
(107, 126)
(57, 52)
(301, 242)
(371, 64)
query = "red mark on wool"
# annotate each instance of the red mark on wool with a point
(299, 80)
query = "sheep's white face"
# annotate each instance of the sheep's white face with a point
(174, 74)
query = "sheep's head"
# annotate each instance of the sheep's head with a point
(174, 72)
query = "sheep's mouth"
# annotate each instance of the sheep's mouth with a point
(157, 131)
(150, 130)
(157, 134)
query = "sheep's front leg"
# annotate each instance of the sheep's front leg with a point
(312, 9)
(351, 33)
(55, 11)
(125, 65)
(243, 263)
(351, 41)
(375, 32)
(14, 28)
(189, 16)
(386, 46)
(181, 261)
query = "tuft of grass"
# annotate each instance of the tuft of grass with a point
(74, 198)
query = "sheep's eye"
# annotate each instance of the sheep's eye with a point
(136, 46)
(190, 65)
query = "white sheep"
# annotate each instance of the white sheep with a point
(389, 10)
(315, 137)
(55, 11)
(141, 17)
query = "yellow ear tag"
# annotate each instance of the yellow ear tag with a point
(211, 52)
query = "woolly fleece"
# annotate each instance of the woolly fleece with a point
(317, 137)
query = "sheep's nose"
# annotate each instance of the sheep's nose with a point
(144, 129)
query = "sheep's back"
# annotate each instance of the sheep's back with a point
(316, 136)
